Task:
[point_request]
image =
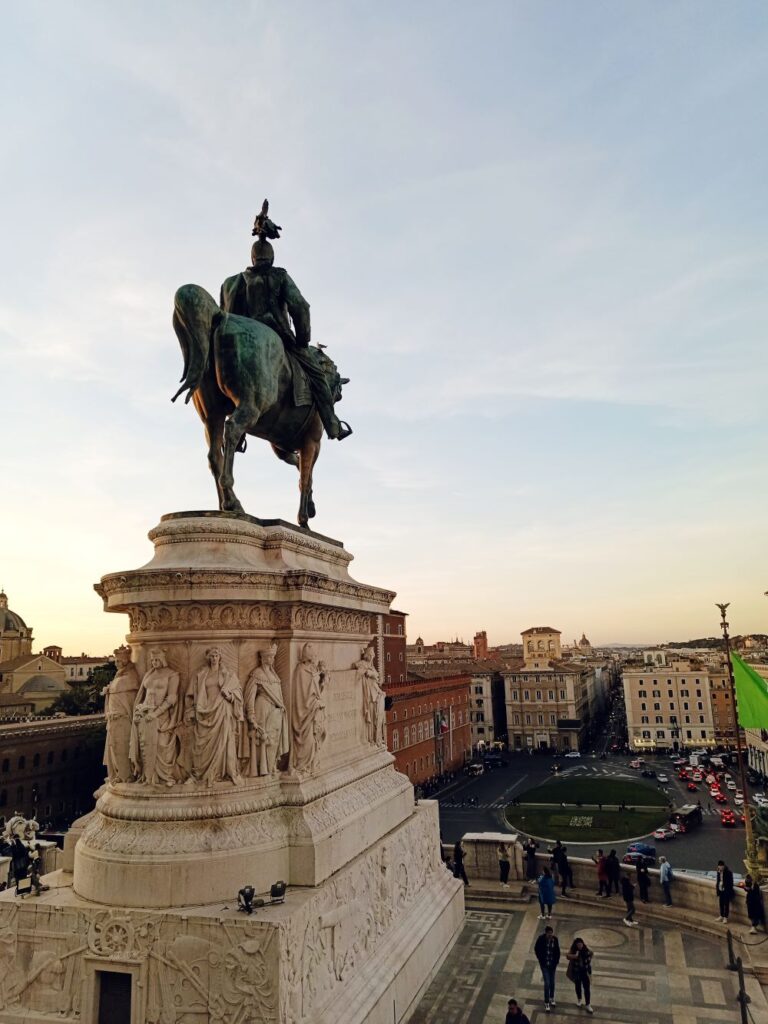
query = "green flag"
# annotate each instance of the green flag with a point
(751, 695)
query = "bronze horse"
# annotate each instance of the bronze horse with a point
(240, 379)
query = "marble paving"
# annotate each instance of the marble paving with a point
(643, 975)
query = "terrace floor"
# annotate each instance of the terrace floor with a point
(653, 974)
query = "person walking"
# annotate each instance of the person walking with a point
(580, 972)
(724, 890)
(514, 1014)
(547, 950)
(530, 847)
(458, 863)
(628, 895)
(502, 851)
(613, 870)
(643, 879)
(602, 874)
(666, 877)
(755, 908)
(547, 897)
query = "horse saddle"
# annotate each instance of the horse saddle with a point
(302, 390)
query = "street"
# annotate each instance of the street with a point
(699, 850)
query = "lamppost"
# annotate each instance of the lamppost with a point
(751, 858)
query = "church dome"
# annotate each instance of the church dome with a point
(9, 621)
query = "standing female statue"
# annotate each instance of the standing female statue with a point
(266, 717)
(373, 698)
(119, 698)
(214, 706)
(154, 744)
(308, 710)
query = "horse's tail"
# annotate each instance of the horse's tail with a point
(195, 314)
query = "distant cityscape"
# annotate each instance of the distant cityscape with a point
(448, 705)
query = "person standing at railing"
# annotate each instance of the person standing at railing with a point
(665, 877)
(724, 890)
(755, 908)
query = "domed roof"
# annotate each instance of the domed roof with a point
(43, 684)
(9, 621)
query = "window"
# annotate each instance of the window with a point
(703, 733)
(659, 734)
(478, 689)
(538, 695)
(644, 720)
(401, 655)
(688, 734)
(684, 693)
(527, 719)
(64, 755)
(685, 705)
(687, 718)
(646, 734)
(20, 794)
(405, 713)
(551, 694)
(413, 734)
(540, 719)
(388, 656)
(700, 706)
(562, 695)
(394, 716)
(526, 694)
(659, 719)
(552, 720)
(36, 761)
(516, 719)
(515, 695)
(22, 762)
(670, 694)
(657, 693)
(698, 693)
(657, 707)
(421, 731)
(701, 718)
(642, 693)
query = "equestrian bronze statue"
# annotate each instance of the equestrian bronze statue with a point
(249, 368)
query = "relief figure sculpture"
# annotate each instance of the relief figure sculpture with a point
(119, 699)
(373, 698)
(308, 710)
(214, 708)
(267, 732)
(154, 744)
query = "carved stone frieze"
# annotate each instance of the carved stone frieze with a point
(153, 618)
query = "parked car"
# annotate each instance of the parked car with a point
(572, 753)
(664, 833)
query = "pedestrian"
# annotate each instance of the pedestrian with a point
(724, 890)
(547, 950)
(514, 1014)
(566, 872)
(547, 897)
(643, 879)
(580, 972)
(503, 855)
(628, 894)
(555, 861)
(458, 863)
(613, 871)
(602, 874)
(666, 877)
(530, 847)
(755, 908)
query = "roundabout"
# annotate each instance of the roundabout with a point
(599, 810)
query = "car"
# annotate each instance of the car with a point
(697, 777)
(664, 833)
(633, 856)
(475, 769)
(692, 787)
(572, 753)
(663, 778)
(759, 800)
(645, 848)
(720, 798)
(730, 784)
(738, 800)
(635, 764)
(728, 819)
(648, 773)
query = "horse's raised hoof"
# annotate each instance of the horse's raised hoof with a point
(232, 506)
(311, 511)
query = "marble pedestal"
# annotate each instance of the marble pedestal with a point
(370, 910)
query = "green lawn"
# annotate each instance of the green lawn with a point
(646, 810)
(605, 827)
(595, 791)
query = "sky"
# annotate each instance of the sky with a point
(531, 233)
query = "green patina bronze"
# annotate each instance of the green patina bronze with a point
(249, 368)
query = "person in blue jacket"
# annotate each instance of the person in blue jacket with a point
(547, 897)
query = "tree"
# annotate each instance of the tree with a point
(84, 697)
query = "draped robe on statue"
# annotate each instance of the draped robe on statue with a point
(217, 700)
(154, 745)
(267, 736)
(119, 699)
(308, 715)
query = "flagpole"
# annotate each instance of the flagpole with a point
(751, 859)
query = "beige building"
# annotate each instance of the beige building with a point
(669, 705)
(550, 702)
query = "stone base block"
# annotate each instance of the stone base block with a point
(361, 946)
